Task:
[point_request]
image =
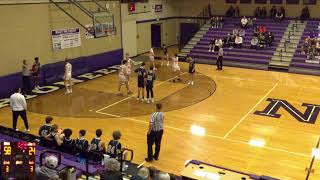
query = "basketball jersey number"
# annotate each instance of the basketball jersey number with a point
(111, 149)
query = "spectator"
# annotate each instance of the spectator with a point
(143, 174)
(257, 12)
(263, 13)
(238, 42)
(279, 15)
(244, 22)
(163, 176)
(230, 12)
(217, 44)
(112, 170)
(256, 31)
(221, 22)
(26, 83)
(46, 129)
(235, 31)
(237, 12)
(97, 144)
(262, 41)
(48, 171)
(67, 143)
(242, 32)
(283, 11)
(211, 45)
(305, 14)
(250, 22)
(81, 147)
(254, 42)
(269, 39)
(273, 12)
(262, 29)
(18, 106)
(232, 41)
(305, 46)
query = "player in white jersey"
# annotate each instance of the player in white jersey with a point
(129, 63)
(175, 68)
(123, 78)
(151, 56)
(68, 76)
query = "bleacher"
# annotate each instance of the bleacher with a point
(245, 57)
(298, 63)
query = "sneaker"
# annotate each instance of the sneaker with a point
(156, 158)
(148, 101)
(27, 130)
(138, 99)
(152, 100)
(142, 100)
(191, 82)
(148, 159)
(16, 129)
(119, 94)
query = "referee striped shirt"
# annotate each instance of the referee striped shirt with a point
(157, 121)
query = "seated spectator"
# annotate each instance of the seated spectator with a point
(230, 12)
(279, 15)
(250, 22)
(238, 42)
(46, 129)
(97, 144)
(263, 13)
(81, 147)
(211, 45)
(143, 174)
(67, 143)
(262, 29)
(305, 14)
(232, 41)
(254, 42)
(55, 136)
(112, 170)
(269, 39)
(242, 32)
(48, 171)
(213, 22)
(218, 44)
(318, 47)
(221, 22)
(114, 149)
(305, 46)
(163, 176)
(257, 12)
(256, 31)
(237, 12)
(262, 41)
(244, 22)
(235, 31)
(273, 12)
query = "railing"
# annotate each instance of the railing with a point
(203, 16)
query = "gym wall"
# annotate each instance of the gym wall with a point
(26, 33)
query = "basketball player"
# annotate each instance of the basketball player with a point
(97, 144)
(141, 80)
(129, 63)
(175, 68)
(68, 77)
(165, 54)
(151, 56)
(36, 73)
(192, 69)
(149, 84)
(123, 78)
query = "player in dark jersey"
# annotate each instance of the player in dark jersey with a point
(151, 76)
(165, 54)
(46, 129)
(141, 80)
(97, 144)
(192, 69)
(36, 73)
(67, 143)
(114, 147)
(81, 146)
(54, 138)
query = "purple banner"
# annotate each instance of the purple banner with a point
(276, 1)
(245, 1)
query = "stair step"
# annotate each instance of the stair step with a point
(279, 59)
(292, 41)
(278, 64)
(288, 50)
(284, 54)
(185, 50)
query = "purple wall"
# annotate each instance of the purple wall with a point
(51, 73)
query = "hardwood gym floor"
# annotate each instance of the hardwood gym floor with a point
(222, 102)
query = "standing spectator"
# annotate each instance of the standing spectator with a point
(217, 44)
(36, 73)
(257, 12)
(273, 12)
(254, 42)
(18, 106)
(112, 170)
(305, 14)
(220, 58)
(263, 13)
(237, 12)
(155, 132)
(238, 41)
(244, 22)
(46, 129)
(26, 84)
(230, 12)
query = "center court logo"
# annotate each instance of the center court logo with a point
(308, 116)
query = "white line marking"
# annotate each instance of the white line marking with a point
(235, 126)
(141, 164)
(159, 84)
(208, 135)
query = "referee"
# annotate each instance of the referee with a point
(18, 105)
(155, 133)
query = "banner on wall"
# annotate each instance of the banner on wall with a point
(158, 8)
(66, 38)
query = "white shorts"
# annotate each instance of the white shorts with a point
(122, 79)
(176, 68)
(68, 77)
(151, 58)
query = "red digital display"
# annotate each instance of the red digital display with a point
(18, 160)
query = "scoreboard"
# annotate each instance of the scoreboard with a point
(18, 160)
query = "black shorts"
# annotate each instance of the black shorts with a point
(141, 83)
(191, 71)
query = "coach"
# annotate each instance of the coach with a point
(155, 133)
(18, 105)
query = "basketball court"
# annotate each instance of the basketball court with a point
(215, 120)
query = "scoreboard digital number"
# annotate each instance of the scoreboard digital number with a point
(18, 160)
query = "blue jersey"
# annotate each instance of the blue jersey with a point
(95, 144)
(114, 149)
(141, 73)
(151, 76)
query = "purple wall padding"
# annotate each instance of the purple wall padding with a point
(51, 73)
